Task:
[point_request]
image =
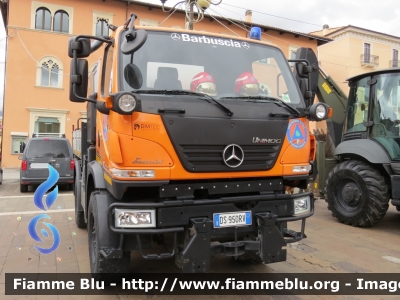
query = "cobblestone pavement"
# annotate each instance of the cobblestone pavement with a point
(331, 247)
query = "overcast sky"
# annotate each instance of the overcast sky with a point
(297, 15)
(382, 16)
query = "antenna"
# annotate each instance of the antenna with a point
(190, 6)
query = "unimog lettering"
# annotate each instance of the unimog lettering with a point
(146, 162)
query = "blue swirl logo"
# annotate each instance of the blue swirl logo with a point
(38, 201)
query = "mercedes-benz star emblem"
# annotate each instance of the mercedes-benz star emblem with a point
(175, 36)
(233, 156)
(245, 45)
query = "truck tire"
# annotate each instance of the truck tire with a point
(23, 188)
(357, 194)
(102, 268)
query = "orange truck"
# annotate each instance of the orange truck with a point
(190, 141)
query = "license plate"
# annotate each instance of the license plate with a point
(38, 166)
(240, 218)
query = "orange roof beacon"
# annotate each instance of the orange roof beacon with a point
(159, 160)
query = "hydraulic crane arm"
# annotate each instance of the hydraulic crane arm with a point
(327, 91)
(330, 93)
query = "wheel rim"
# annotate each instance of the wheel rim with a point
(93, 244)
(349, 195)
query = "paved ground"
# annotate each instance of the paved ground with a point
(330, 246)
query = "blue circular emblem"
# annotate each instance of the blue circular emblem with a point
(208, 77)
(297, 134)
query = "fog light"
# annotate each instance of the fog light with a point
(144, 218)
(301, 205)
(133, 173)
(301, 169)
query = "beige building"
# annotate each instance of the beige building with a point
(36, 98)
(356, 50)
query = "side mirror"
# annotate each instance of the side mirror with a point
(307, 94)
(78, 81)
(20, 157)
(134, 39)
(302, 70)
(133, 76)
(82, 47)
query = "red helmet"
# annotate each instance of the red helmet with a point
(204, 83)
(246, 84)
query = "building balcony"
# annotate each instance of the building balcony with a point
(394, 63)
(369, 61)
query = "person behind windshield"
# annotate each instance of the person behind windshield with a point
(247, 85)
(204, 83)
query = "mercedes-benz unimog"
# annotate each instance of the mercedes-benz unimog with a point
(189, 142)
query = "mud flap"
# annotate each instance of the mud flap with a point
(271, 239)
(395, 179)
(196, 256)
(110, 242)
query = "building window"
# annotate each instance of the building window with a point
(102, 27)
(17, 142)
(395, 63)
(61, 21)
(47, 125)
(43, 19)
(367, 52)
(52, 17)
(93, 81)
(101, 22)
(49, 72)
(45, 120)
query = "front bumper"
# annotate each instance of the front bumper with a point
(270, 215)
(174, 213)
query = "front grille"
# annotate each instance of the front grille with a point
(209, 157)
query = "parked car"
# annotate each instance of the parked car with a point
(41, 151)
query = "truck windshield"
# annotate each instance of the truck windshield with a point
(220, 67)
(379, 104)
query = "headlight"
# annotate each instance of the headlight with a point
(301, 169)
(133, 173)
(301, 205)
(124, 103)
(127, 103)
(319, 112)
(136, 218)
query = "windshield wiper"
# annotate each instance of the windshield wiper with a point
(277, 100)
(182, 92)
